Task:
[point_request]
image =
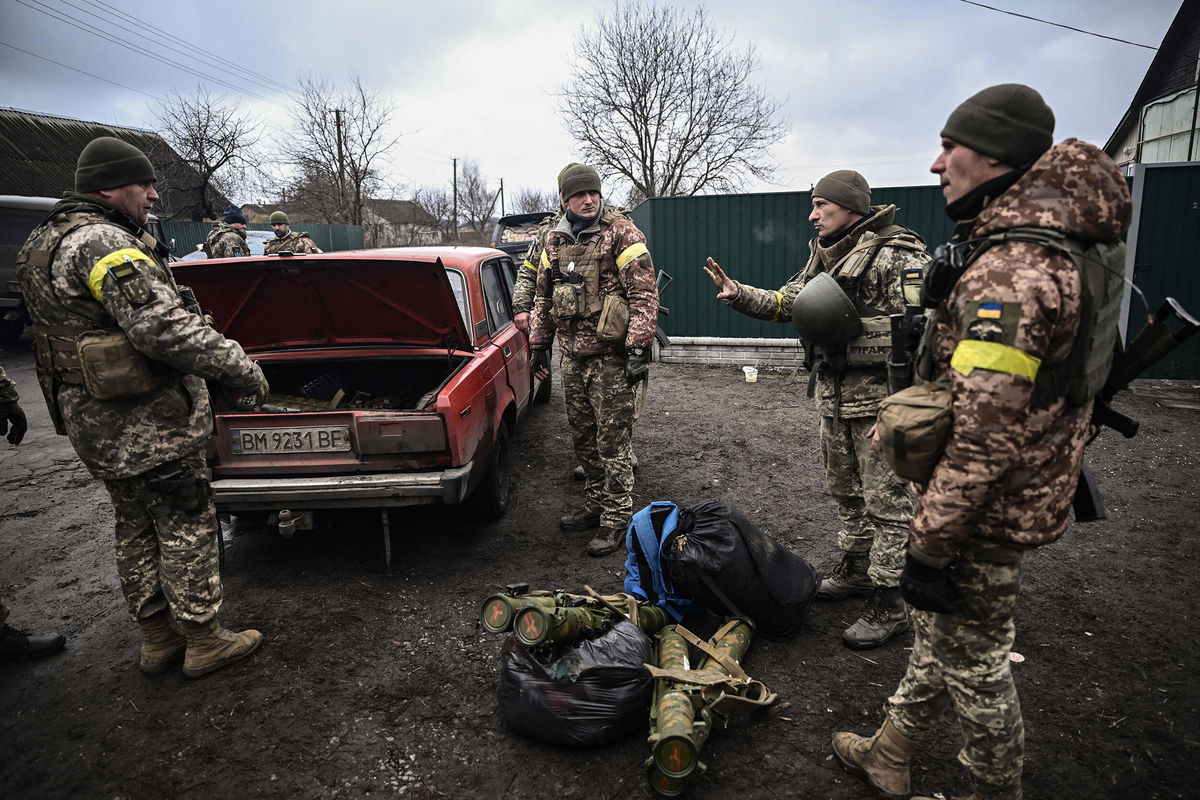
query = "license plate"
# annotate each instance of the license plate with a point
(317, 439)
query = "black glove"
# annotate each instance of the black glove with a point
(12, 419)
(637, 364)
(539, 359)
(928, 588)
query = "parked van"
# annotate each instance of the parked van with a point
(18, 217)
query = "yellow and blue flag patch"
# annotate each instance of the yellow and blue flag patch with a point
(989, 310)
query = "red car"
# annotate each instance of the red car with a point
(397, 378)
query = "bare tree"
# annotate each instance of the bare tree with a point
(439, 203)
(337, 146)
(526, 201)
(476, 202)
(661, 99)
(216, 143)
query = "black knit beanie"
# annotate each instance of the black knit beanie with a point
(846, 188)
(108, 162)
(576, 178)
(234, 214)
(1010, 122)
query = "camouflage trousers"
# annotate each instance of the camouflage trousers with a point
(962, 659)
(874, 505)
(166, 553)
(600, 414)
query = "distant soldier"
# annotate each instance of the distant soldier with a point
(227, 239)
(1027, 301)
(122, 363)
(287, 239)
(14, 644)
(523, 289)
(876, 267)
(595, 287)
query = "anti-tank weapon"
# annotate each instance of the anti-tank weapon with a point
(538, 617)
(1152, 344)
(689, 704)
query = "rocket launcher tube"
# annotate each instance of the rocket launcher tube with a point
(536, 624)
(497, 612)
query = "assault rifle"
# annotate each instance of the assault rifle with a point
(906, 334)
(689, 704)
(1153, 343)
(661, 282)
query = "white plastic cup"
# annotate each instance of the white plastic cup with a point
(751, 374)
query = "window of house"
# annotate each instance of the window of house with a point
(1167, 129)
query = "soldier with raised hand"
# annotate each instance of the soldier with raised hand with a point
(877, 267)
(287, 239)
(1038, 228)
(14, 644)
(227, 239)
(595, 288)
(122, 363)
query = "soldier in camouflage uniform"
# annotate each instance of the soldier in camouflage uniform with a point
(227, 239)
(287, 239)
(523, 289)
(15, 644)
(1006, 478)
(122, 363)
(879, 265)
(595, 287)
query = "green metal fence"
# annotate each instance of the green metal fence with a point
(328, 237)
(758, 239)
(1165, 241)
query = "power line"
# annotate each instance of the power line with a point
(266, 81)
(1057, 24)
(76, 69)
(81, 25)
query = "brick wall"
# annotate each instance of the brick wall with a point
(731, 351)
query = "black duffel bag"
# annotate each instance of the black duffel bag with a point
(587, 693)
(721, 558)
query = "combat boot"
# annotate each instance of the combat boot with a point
(848, 579)
(885, 616)
(882, 759)
(608, 540)
(17, 645)
(162, 645)
(210, 647)
(583, 520)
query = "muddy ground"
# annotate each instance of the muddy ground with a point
(372, 684)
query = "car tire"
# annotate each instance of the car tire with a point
(542, 395)
(490, 500)
(11, 330)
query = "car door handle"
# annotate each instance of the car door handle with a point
(507, 351)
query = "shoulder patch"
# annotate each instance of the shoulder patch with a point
(126, 267)
(911, 280)
(991, 321)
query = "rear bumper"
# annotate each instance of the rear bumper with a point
(447, 486)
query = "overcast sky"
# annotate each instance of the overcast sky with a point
(865, 84)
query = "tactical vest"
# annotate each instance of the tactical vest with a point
(575, 272)
(871, 348)
(1101, 266)
(69, 347)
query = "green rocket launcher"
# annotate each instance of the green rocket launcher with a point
(688, 704)
(537, 617)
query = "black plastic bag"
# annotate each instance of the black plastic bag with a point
(721, 558)
(588, 693)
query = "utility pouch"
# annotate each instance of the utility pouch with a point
(871, 348)
(566, 302)
(914, 425)
(614, 320)
(112, 368)
(175, 486)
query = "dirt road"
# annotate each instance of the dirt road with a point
(372, 684)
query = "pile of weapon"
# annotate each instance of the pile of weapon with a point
(688, 704)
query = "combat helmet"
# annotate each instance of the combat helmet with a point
(823, 314)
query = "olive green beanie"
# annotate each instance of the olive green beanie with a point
(576, 178)
(1010, 122)
(278, 217)
(846, 188)
(108, 162)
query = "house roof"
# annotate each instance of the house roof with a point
(1172, 69)
(38, 154)
(402, 212)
